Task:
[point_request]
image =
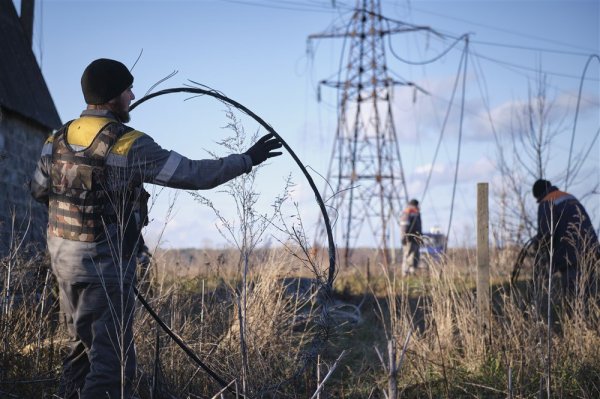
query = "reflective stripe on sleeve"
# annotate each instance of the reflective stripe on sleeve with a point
(169, 168)
(39, 177)
(47, 149)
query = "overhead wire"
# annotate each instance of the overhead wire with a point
(284, 5)
(563, 75)
(468, 109)
(530, 48)
(431, 205)
(443, 128)
(410, 26)
(509, 66)
(460, 131)
(587, 64)
(475, 53)
(504, 30)
(422, 63)
(429, 61)
(441, 33)
(579, 164)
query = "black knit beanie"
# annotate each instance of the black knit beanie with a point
(104, 80)
(540, 188)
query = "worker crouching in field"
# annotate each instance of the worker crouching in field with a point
(410, 225)
(566, 242)
(91, 174)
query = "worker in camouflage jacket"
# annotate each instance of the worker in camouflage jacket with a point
(91, 174)
(410, 225)
(566, 242)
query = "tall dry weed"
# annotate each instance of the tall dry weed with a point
(450, 354)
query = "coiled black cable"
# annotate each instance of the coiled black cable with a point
(331, 244)
(235, 104)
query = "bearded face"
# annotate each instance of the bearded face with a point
(122, 112)
(120, 105)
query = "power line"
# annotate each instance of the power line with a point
(564, 75)
(460, 131)
(439, 34)
(318, 7)
(286, 5)
(443, 128)
(512, 32)
(587, 64)
(532, 48)
(429, 61)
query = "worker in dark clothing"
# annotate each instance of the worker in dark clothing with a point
(566, 240)
(410, 224)
(91, 174)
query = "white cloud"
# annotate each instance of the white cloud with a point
(442, 174)
(568, 99)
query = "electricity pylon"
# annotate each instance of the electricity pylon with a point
(366, 179)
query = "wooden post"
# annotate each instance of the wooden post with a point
(483, 256)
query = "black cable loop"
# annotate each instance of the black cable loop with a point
(235, 104)
(520, 259)
(179, 341)
(331, 245)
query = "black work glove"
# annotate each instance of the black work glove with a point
(263, 149)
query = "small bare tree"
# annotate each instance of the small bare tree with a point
(524, 159)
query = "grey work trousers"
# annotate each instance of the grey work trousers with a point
(101, 360)
(410, 258)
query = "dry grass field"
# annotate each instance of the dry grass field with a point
(280, 334)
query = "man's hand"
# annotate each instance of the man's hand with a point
(263, 149)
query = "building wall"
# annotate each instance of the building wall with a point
(21, 143)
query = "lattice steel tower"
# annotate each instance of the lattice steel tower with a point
(365, 173)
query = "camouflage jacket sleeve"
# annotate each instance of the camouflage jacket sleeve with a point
(40, 182)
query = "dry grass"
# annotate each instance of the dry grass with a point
(432, 320)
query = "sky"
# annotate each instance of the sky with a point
(257, 53)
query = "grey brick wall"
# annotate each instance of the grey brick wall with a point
(21, 217)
